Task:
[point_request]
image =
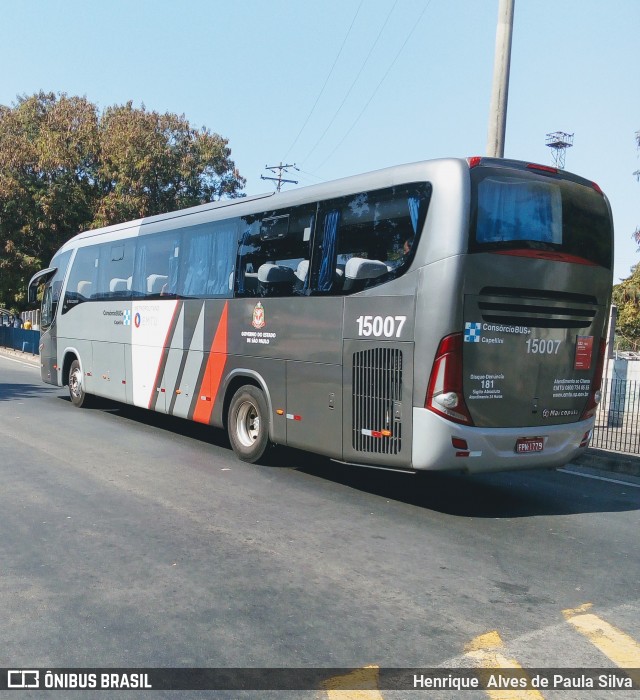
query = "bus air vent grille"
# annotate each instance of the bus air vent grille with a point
(536, 308)
(377, 393)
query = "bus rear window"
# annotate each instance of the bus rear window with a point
(514, 209)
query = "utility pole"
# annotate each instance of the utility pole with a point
(280, 169)
(500, 91)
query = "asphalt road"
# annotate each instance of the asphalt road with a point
(130, 539)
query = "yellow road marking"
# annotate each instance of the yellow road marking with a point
(572, 612)
(361, 684)
(615, 644)
(485, 652)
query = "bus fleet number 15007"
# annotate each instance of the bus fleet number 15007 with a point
(380, 326)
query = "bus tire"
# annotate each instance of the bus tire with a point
(248, 423)
(77, 394)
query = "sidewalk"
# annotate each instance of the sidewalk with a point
(615, 462)
(19, 355)
(593, 460)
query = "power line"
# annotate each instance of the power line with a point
(306, 121)
(384, 77)
(315, 177)
(353, 83)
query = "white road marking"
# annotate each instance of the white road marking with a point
(20, 362)
(599, 478)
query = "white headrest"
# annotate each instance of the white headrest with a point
(118, 285)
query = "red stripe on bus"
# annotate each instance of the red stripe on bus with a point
(546, 255)
(213, 372)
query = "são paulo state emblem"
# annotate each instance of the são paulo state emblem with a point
(258, 316)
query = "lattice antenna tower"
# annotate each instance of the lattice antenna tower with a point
(558, 142)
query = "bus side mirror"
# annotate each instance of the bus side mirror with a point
(39, 278)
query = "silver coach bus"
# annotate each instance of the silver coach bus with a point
(447, 314)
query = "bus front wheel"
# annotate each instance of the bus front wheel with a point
(248, 423)
(77, 394)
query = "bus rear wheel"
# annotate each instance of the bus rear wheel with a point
(77, 394)
(248, 423)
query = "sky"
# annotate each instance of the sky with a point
(341, 87)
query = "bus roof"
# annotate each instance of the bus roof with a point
(385, 177)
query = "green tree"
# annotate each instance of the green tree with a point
(65, 168)
(47, 188)
(152, 163)
(626, 296)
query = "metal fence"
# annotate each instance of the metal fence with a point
(20, 339)
(618, 417)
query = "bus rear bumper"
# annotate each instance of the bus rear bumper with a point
(491, 449)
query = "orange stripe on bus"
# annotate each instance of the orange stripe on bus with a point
(213, 372)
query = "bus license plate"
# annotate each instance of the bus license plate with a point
(525, 445)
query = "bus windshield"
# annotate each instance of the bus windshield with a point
(519, 209)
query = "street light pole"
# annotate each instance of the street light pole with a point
(500, 91)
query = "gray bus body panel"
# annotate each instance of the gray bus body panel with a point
(531, 350)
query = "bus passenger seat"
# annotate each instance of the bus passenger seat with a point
(155, 283)
(276, 280)
(358, 271)
(302, 271)
(250, 283)
(84, 289)
(117, 285)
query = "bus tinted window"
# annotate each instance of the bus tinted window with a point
(520, 209)
(274, 253)
(208, 258)
(368, 238)
(54, 287)
(83, 278)
(115, 270)
(516, 209)
(156, 266)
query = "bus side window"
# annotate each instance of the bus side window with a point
(368, 238)
(274, 253)
(246, 284)
(116, 266)
(155, 272)
(83, 277)
(53, 289)
(208, 260)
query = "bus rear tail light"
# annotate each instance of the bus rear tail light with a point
(595, 394)
(597, 188)
(542, 168)
(585, 439)
(444, 395)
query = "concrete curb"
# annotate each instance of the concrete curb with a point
(19, 355)
(604, 460)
